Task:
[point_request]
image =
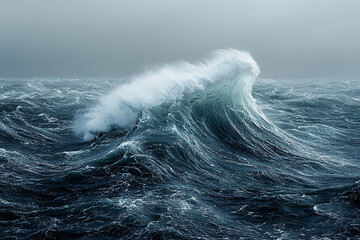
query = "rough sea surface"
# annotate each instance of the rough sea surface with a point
(201, 150)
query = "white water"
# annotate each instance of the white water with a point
(122, 107)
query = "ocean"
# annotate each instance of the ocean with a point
(203, 150)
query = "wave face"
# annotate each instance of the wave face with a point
(183, 151)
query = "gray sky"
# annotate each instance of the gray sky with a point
(113, 38)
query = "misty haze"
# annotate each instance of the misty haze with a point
(289, 39)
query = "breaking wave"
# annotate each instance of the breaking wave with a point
(231, 71)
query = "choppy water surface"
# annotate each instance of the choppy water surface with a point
(185, 151)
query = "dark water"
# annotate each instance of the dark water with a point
(217, 158)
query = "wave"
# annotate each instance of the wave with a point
(230, 72)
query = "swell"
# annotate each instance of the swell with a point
(228, 75)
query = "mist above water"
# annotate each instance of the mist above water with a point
(288, 39)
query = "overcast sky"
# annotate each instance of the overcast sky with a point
(113, 38)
